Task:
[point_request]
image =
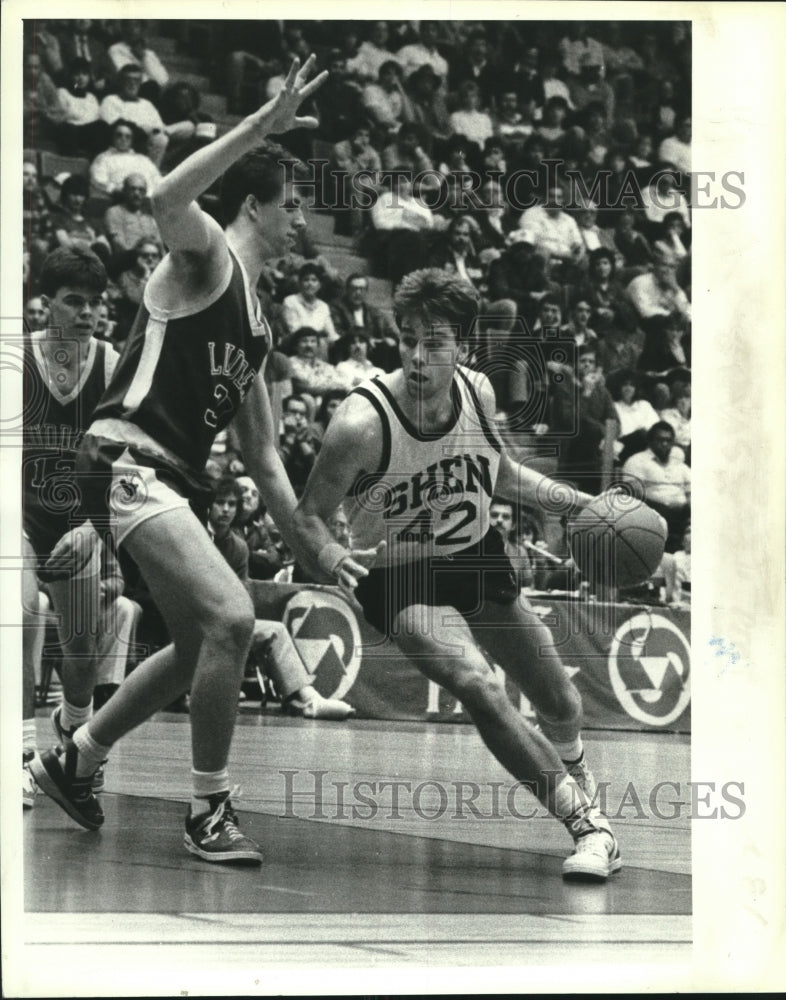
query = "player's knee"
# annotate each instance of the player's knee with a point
(232, 623)
(479, 688)
(562, 703)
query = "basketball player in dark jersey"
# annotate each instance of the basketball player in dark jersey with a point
(417, 453)
(65, 373)
(190, 365)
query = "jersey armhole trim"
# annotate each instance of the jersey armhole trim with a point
(366, 480)
(407, 424)
(195, 305)
(483, 419)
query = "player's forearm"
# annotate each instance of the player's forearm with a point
(314, 538)
(526, 486)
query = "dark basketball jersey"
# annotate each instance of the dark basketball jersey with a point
(53, 428)
(184, 373)
(432, 494)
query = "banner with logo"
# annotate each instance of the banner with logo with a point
(630, 663)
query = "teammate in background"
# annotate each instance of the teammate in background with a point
(270, 641)
(191, 365)
(418, 453)
(66, 371)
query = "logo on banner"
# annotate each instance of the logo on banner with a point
(326, 634)
(649, 669)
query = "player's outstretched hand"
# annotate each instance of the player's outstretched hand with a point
(356, 565)
(280, 114)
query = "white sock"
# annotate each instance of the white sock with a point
(72, 716)
(569, 753)
(205, 784)
(91, 754)
(569, 804)
(28, 737)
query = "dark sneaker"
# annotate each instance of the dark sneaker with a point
(594, 858)
(65, 737)
(214, 836)
(55, 774)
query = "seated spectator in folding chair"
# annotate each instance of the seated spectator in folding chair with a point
(657, 293)
(385, 101)
(358, 367)
(306, 309)
(143, 115)
(272, 647)
(470, 120)
(109, 170)
(131, 220)
(672, 236)
(83, 131)
(402, 222)
(79, 40)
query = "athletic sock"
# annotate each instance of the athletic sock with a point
(91, 754)
(206, 784)
(569, 804)
(28, 738)
(73, 716)
(570, 751)
(569, 760)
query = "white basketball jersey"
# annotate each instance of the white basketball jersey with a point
(432, 493)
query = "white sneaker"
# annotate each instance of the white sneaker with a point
(317, 707)
(595, 857)
(29, 789)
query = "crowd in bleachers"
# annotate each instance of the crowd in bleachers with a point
(438, 138)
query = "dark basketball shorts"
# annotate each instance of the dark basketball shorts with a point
(464, 581)
(121, 487)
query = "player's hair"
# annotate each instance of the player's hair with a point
(69, 266)
(262, 171)
(439, 298)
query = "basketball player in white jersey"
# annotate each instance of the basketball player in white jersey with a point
(417, 453)
(191, 365)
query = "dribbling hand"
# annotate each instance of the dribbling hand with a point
(280, 114)
(356, 565)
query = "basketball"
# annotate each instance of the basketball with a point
(617, 541)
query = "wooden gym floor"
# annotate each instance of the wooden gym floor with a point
(428, 881)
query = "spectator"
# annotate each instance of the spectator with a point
(591, 87)
(330, 403)
(130, 221)
(611, 308)
(372, 54)
(47, 45)
(347, 159)
(554, 233)
(475, 65)
(552, 126)
(523, 275)
(298, 445)
(469, 120)
(406, 152)
(671, 237)
(501, 518)
(36, 314)
(665, 478)
(105, 327)
(632, 245)
(514, 120)
(657, 293)
(81, 42)
(617, 350)
(36, 218)
(133, 50)
(270, 643)
(306, 309)
(675, 151)
(83, 130)
(188, 128)
(635, 415)
(455, 251)
(578, 49)
(401, 221)
(358, 368)
(661, 198)
(338, 101)
(493, 218)
(577, 328)
(592, 236)
(352, 314)
(71, 227)
(553, 84)
(678, 415)
(127, 105)
(310, 374)
(42, 113)
(266, 549)
(132, 281)
(427, 104)
(581, 456)
(386, 102)
(524, 78)
(110, 169)
(423, 52)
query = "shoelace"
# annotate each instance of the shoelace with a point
(225, 816)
